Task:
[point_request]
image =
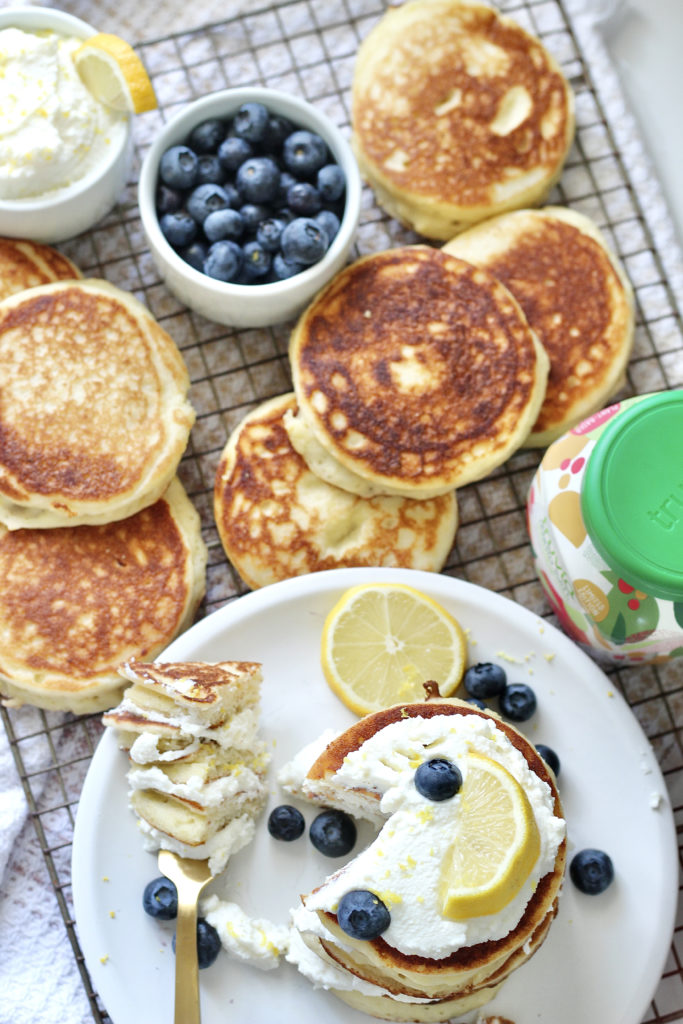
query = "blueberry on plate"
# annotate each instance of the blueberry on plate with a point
(160, 899)
(331, 182)
(284, 269)
(286, 823)
(550, 757)
(333, 833)
(304, 241)
(256, 260)
(517, 702)
(258, 179)
(591, 871)
(207, 136)
(476, 702)
(204, 199)
(233, 151)
(208, 944)
(210, 170)
(195, 254)
(362, 915)
(226, 223)
(329, 222)
(304, 153)
(438, 779)
(251, 122)
(485, 680)
(178, 167)
(223, 260)
(179, 228)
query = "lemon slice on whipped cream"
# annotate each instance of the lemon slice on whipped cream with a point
(112, 71)
(496, 844)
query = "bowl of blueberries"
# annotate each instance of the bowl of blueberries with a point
(249, 200)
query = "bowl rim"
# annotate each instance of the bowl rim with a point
(53, 19)
(177, 128)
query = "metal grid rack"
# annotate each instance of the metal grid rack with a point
(309, 48)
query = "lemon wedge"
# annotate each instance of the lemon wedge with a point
(112, 71)
(382, 641)
(496, 846)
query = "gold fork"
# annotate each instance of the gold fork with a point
(190, 877)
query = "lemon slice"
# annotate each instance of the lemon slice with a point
(112, 71)
(382, 641)
(497, 843)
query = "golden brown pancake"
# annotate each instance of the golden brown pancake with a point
(415, 373)
(277, 519)
(25, 264)
(576, 297)
(458, 114)
(94, 416)
(78, 601)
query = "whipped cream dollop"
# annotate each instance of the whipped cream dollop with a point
(52, 130)
(403, 865)
(253, 940)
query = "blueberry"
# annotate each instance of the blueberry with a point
(210, 170)
(208, 944)
(207, 136)
(252, 215)
(517, 702)
(303, 199)
(550, 757)
(286, 822)
(485, 680)
(329, 222)
(333, 833)
(251, 122)
(269, 232)
(362, 915)
(438, 779)
(257, 260)
(286, 182)
(258, 179)
(167, 200)
(195, 254)
(283, 269)
(224, 223)
(223, 260)
(476, 702)
(303, 241)
(179, 228)
(278, 130)
(204, 199)
(304, 153)
(591, 871)
(160, 899)
(233, 151)
(178, 167)
(331, 182)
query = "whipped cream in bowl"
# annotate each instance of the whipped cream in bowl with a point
(64, 156)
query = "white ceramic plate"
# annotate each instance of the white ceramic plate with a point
(604, 955)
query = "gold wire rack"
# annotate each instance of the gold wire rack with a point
(308, 48)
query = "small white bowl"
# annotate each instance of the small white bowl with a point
(65, 212)
(241, 305)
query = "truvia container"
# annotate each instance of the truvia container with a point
(605, 519)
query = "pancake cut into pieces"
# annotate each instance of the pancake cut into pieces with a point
(79, 601)
(277, 519)
(457, 114)
(576, 297)
(415, 373)
(25, 264)
(94, 416)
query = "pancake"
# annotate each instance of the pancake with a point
(458, 114)
(277, 519)
(426, 966)
(576, 297)
(94, 416)
(79, 601)
(415, 373)
(25, 264)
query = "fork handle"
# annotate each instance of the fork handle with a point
(187, 1010)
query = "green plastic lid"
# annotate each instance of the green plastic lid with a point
(632, 495)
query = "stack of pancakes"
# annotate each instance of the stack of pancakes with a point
(197, 766)
(100, 546)
(425, 966)
(458, 114)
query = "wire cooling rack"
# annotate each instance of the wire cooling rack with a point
(308, 48)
